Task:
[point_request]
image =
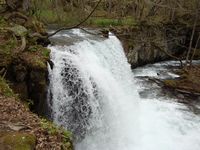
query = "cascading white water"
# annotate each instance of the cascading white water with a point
(93, 94)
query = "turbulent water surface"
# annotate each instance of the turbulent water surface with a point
(94, 93)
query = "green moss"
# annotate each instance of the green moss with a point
(36, 56)
(32, 48)
(38, 63)
(53, 130)
(5, 89)
(8, 46)
(46, 52)
(49, 126)
(18, 141)
(3, 23)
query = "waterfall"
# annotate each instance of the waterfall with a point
(93, 93)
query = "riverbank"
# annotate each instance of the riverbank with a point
(188, 83)
(23, 87)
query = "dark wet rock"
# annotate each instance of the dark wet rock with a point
(28, 76)
(105, 33)
(20, 73)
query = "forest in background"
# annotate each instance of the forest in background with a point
(23, 56)
(112, 12)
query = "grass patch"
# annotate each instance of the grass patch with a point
(104, 22)
(47, 16)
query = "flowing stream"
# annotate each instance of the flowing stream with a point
(94, 93)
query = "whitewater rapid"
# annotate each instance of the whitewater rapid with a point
(95, 94)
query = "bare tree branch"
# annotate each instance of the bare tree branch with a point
(192, 36)
(77, 25)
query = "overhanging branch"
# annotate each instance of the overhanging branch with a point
(77, 25)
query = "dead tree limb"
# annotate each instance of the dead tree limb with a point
(77, 25)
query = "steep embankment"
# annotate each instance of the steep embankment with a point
(21, 129)
(23, 62)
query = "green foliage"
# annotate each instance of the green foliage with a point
(47, 16)
(46, 52)
(5, 89)
(49, 126)
(33, 48)
(53, 129)
(8, 46)
(2, 22)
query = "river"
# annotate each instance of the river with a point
(108, 106)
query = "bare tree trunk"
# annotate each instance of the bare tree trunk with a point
(109, 6)
(192, 37)
(194, 51)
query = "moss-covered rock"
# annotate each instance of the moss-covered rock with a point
(5, 89)
(26, 70)
(18, 30)
(17, 141)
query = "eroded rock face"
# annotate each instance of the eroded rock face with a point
(30, 83)
(146, 44)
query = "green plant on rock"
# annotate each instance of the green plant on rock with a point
(53, 129)
(46, 52)
(49, 126)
